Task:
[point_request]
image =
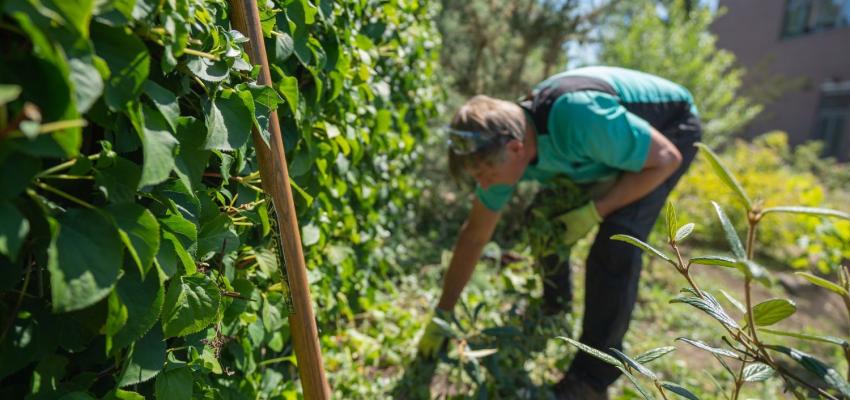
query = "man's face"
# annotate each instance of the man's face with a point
(506, 169)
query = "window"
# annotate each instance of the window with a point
(831, 122)
(806, 16)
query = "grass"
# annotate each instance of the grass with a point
(374, 355)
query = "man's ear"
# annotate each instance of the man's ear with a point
(515, 146)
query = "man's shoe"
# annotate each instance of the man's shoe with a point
(571, 388)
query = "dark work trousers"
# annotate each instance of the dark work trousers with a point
(613, 267)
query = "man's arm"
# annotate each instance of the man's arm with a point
(663, 159)
(474, 234)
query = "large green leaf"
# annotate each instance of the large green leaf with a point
(85, 259)
(159, 146)
(723, 173)
(757, 372)
(816, 338)
(192, 159)
(13, 230)
(593, 352)
(722, 261)
(139, 231)
(731, 234)
(832, 377)
(117, 179)
(631, 363)
(75, 13)
(165, 101)
(654, 354)
(175, 384)
(128, 61)
(772, 311)
(679, 390)
(191, 304)
(832, 287)
(26, 168)
(143, 299)
(700, 345)
(217, 236)
(146, 359)
(710, 306)
(228, 119)
(813, 211)
(643, 246)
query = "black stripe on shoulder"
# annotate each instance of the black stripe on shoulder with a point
(541, 103)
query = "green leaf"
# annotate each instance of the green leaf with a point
(139, 231)
(643, 392)
(191, 304)
(310, 235)
(208, 70)
(643, 246)
(266, 100)
(175, 384)
(13, 230)
(679, 390)
(816, 338)
(85, 259)
(722, 261)
(710, 306)
(772, 311)
(116, 318)
(145, 360)
(143, 300)
(753, 270)
(26, 168)
(723, 173)
(165, 101)
(672, 221)
(634, 364)
(159, 145)
(119, 394)
(193, 158)
(654, 354)
(823, 283)
(8, 93)
(228, 120)
(86, 77)
(593, 352)
(832, 377)
(737, 304)
(700, 345)
(731, 234)
(288, 87)
(283, 46)
(816, 212)
(757, 372)
(217, 236)
(128, 61)
(76, 14)
(684, 232)
(118, 180)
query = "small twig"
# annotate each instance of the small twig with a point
(60, 193)
(193, 52)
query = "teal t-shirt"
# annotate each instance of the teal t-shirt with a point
(591, 136)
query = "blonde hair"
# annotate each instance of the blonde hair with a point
(487, 115)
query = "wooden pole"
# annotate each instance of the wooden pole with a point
(275, 175)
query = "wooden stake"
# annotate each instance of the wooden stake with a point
(275, 175)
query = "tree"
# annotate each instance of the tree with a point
(676, 43)
(503, 48)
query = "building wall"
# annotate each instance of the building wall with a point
(751, 30)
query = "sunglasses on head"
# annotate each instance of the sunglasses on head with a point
(463, 142)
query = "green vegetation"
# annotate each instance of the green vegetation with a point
(137, 253)
(137, 249)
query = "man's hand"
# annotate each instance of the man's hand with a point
(434, 338)
(579, 222)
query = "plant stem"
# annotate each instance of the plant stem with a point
(69, 177)
(60, 193)
(64, 165)
(14, 313)
(199, 53)
(661, 390)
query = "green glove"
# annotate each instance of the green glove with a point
(435, 337)
(579, 222)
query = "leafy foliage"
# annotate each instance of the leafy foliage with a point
(680, 47)
(131, 210)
